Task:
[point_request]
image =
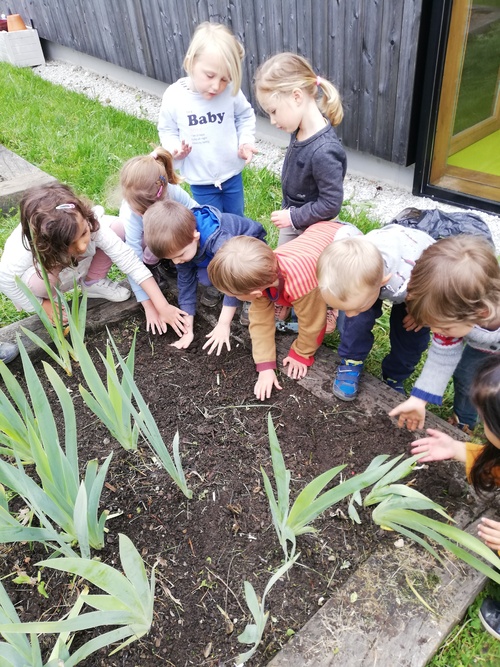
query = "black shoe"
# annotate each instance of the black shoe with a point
(8, 352)
(489, 615)
(210, 296)
(168, 267)
(159, 274)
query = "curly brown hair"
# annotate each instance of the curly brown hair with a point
(48, 231)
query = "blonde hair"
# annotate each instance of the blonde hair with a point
(243, 264)
(231, 52)
(144, 179)
(349, 266)
(284, 72)
(455, 279)
(168, 228)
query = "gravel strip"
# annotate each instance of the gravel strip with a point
(383, 202)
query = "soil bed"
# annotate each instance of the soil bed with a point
(205, 548)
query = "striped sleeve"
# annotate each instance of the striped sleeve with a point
(298, 258)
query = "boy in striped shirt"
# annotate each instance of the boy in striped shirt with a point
(251, 271)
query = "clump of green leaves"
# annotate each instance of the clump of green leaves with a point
(398, 508)
(56, 328)
(127, 603)
(290, 522)
(62, 498)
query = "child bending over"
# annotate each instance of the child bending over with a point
(190, 238)
(482, 463)
(249, 270)
(144, 180)
(72, 240)
(455, 290)
(308, 107)
(207, 123)
(356, 275)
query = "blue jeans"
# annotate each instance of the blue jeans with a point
(462, 380)
(228, 199)
(356, 340)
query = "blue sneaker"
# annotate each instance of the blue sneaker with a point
(397, 385)
(345, 385)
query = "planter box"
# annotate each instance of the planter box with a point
(21, 48)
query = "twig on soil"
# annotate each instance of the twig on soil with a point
(228, 588)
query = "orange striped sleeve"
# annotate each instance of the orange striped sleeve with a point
(298, 258)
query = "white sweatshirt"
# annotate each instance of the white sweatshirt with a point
(214, 128)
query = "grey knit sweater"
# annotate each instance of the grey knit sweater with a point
(444, 355)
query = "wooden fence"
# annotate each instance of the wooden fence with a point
(366, 47)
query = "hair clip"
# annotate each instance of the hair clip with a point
(318, 81)
(65, 206)
(154, 155)
(163, 182)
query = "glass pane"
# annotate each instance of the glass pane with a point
(478, 92)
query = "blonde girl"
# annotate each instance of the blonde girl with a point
(308, 107)
(207, 123)
(144, 180)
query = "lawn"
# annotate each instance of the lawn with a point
(84, 144)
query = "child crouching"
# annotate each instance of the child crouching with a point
(356, 275)
(248, 269)
(190, 238)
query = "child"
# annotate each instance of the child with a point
(207, 123)
(190, 238)
(482, 463)
(69, 239)
(315, 162)
(249, 270)
(356, 275)
(455, 290)
(144, 180)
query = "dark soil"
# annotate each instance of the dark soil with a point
(204, 549)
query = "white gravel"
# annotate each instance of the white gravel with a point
(382, 201)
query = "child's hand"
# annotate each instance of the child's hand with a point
(184, 341)
(264, 385)
(409, 323)
(47, 306)
(183, 151)
(411, 412)
(218, 337)
(187, 337)
(438, 447)
(176, 317)
(153, 321)
(281, 218)
(296, 369)
(246, 152)
(489, 531)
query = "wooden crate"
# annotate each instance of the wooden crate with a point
(21, 48)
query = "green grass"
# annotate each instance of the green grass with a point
(469, 644)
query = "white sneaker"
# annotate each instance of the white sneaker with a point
(107, 289)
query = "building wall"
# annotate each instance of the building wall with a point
(366, 47)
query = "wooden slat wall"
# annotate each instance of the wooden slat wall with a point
(366, 47)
